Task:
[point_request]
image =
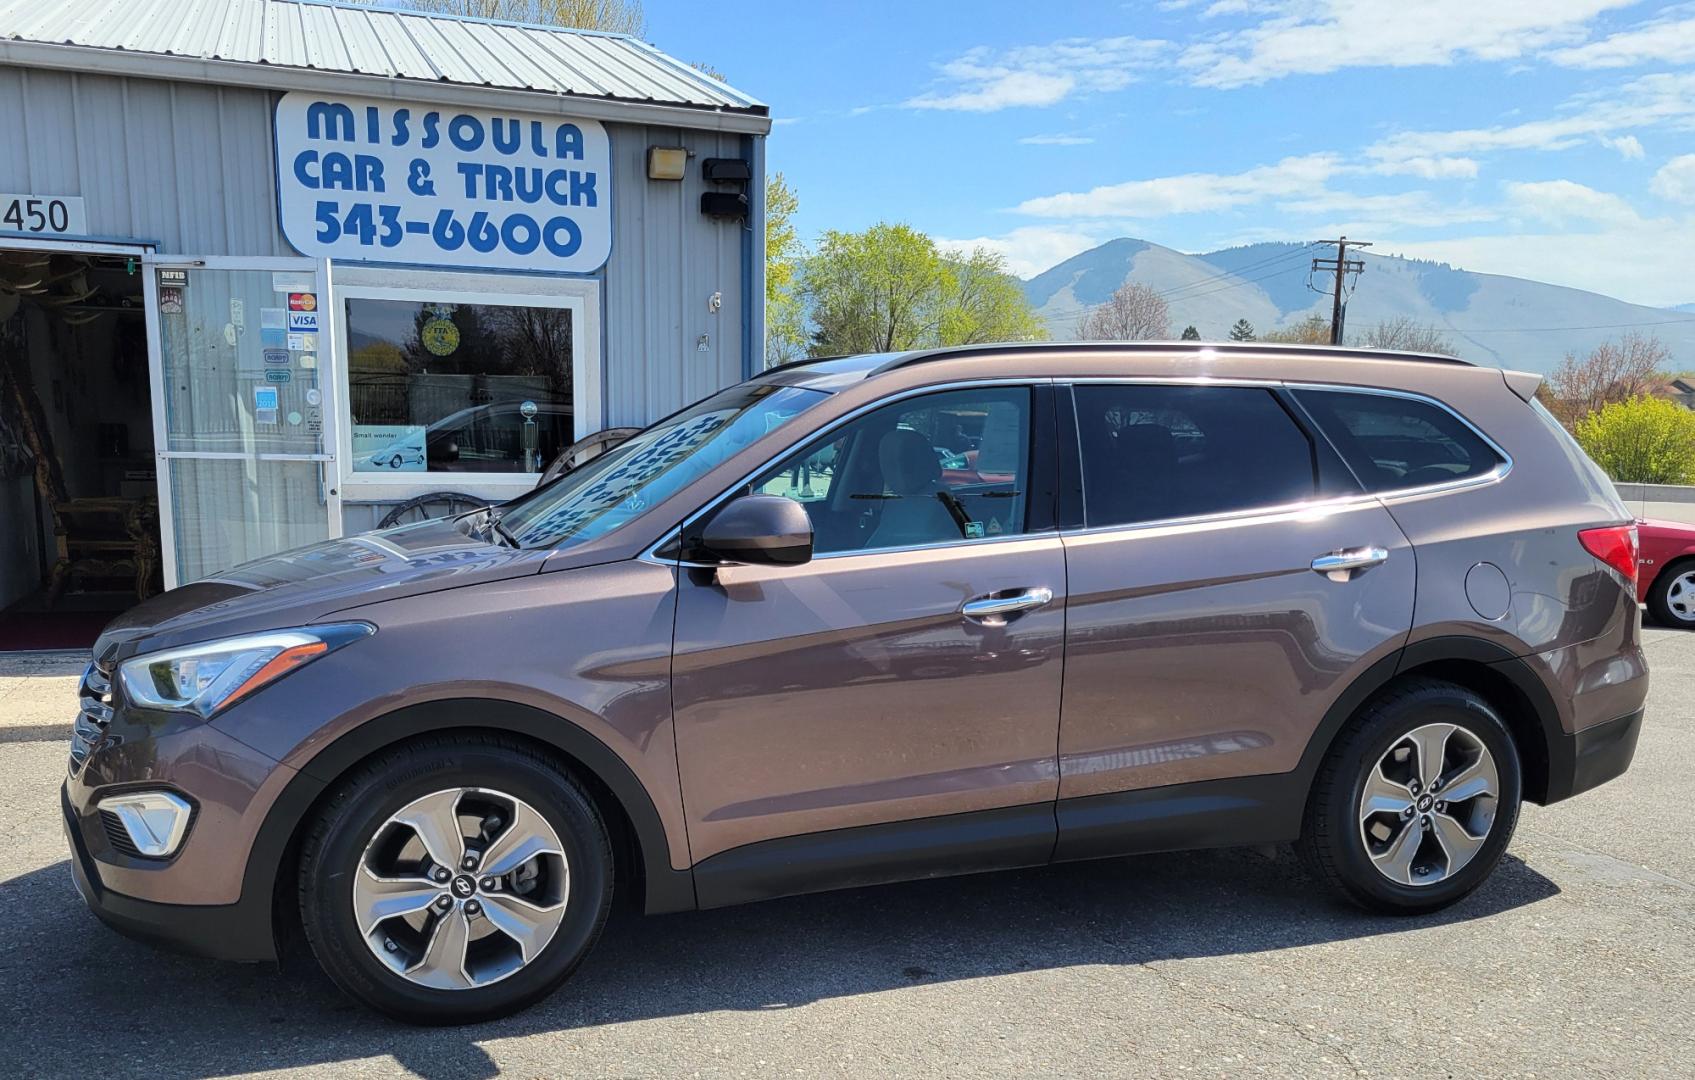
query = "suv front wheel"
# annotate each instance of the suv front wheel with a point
(455, 880)
(1415, 804)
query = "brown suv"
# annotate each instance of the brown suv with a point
(867, 619)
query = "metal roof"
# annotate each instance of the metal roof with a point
(259, 42)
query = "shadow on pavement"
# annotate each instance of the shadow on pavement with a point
(93, 1002)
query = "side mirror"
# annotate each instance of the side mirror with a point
(763, 530)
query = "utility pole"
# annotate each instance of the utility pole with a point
(1342, 266)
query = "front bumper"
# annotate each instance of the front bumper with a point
(1591, 756)
(239, 931)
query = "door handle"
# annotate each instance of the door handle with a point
(1340, 565)
(999, 607)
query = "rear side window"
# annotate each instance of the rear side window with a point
(1393, 442)
(1153, 453)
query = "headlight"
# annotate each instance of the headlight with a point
(207, 677)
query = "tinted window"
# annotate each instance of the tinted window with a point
(1395, 442)
(927, 470)
(1151, 453)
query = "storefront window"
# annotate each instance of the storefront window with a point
(442, 386)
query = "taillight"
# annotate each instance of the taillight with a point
(1614, 545)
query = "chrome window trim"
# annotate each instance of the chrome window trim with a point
(1254, 515)
(649, 555)
(1278, 510)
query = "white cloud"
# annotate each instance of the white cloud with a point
(1418, 209)
(1429, 168)
(1031, 249)
(1190, 193)
(1056, 140)
(1311, 37)
(1629, 147)
(988, 80)
(1562, 202)
(1648, 101)
(1676, 180)
(1667, 39)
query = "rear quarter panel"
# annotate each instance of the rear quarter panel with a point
(1570, 617)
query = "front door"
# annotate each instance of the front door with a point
(241, 401)
(906, 680)
(1204, 639)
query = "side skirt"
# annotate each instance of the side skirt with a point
(1214, 813)
(1182, 817)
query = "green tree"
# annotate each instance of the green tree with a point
(1312, 330)
(1643, 440)
(890, 287)
(617, 16)
(1242, 331)
(1190, 333)
(785, 316)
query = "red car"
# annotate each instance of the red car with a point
(1665, 572)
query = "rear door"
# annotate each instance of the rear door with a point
(1228, 581)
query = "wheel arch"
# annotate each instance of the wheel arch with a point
(618, 793)
(1484, 667)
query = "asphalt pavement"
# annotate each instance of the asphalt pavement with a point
(1576, 959)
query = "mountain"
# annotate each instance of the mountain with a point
(1491, 319)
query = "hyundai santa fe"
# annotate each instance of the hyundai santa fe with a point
(1177, 597)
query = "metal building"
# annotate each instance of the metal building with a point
(270, 267)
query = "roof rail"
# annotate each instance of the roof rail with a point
(802, 362)
(1288, 349)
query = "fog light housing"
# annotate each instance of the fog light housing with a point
(155, 821)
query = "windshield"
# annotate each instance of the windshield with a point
(652, 466)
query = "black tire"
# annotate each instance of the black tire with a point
(367, 798)
(1332, 844)
(1659, 601)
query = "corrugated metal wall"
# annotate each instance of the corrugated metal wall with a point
(190, 166)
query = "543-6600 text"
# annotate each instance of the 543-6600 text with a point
(380, 225)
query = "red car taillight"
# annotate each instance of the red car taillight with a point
(1614, 545)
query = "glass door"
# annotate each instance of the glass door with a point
(239, 358)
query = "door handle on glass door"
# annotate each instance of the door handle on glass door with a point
(999, 607)
(1340, 565)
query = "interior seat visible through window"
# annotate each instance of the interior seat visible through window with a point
(948, 466)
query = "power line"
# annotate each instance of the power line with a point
(1240, 284)
(1290, 257)
(1554, 329)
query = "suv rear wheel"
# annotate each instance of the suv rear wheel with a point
(455, 880)
(1415, 804)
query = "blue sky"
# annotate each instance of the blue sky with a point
(1552, 139)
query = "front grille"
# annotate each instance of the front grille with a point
(118, 836)
(94, 695)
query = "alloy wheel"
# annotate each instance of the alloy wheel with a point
(1428, 804)
(1680, 596)
(461, 888)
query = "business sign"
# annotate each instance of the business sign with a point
(377, 181)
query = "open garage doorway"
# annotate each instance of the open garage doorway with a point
(79, 514)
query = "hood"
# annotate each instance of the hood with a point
(310, 583)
